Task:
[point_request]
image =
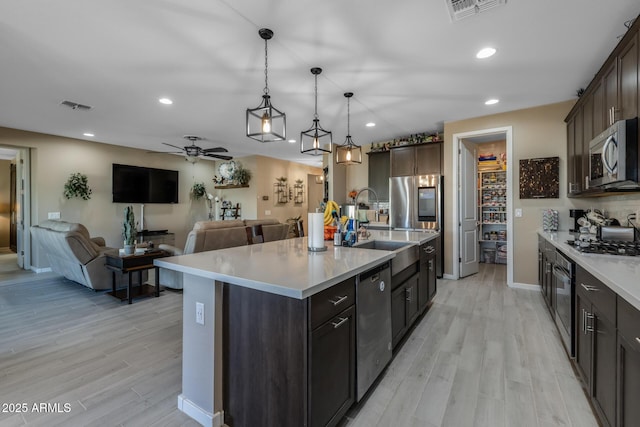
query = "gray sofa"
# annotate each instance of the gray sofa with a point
(74, 254)
(212, 235)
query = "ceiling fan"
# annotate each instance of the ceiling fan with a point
(193, 152)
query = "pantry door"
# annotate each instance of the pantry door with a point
(469, 263)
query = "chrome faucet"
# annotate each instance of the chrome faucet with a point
(377, 205)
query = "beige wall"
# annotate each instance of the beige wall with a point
(54, 158)
(264, 171)
(5, 198)
(537, 132)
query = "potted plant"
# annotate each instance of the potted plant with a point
(77, 186)
(129, 231)
(241, 175)
(198, 191)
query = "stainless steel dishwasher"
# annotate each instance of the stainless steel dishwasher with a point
(373, 312)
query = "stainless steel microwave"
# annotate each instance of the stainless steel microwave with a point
(613, 156)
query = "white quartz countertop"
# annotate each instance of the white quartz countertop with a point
(618, 272)
(287, 267)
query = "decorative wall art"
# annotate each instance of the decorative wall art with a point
(540, 178)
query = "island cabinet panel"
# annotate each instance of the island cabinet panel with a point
(404, 302)
(288, 362)
(628, 412)
(427, 275)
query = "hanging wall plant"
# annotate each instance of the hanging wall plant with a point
(198, 191)
(77, 186)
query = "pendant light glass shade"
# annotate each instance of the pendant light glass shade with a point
(348, 153)
(265, 123)
(315, 140)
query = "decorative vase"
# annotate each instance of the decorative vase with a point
(129, 249)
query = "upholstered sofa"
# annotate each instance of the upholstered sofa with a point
(212, 235)
(74, 254)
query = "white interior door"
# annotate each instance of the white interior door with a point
(468, 192)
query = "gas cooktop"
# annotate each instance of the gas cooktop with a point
(607, 247)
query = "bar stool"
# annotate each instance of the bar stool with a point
(254, 234)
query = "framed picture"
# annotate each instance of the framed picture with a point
(540, 178)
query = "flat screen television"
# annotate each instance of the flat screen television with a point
(136, 184)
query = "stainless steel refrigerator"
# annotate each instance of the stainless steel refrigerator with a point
(416, 203)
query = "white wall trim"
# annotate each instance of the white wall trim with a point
(207, 419)
(525, 286)
(41, 270)
(449, 277)
(455, 146)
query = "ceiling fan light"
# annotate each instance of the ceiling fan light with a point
(265, 123)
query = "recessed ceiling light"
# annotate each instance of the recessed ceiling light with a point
(88, 134)
(165, 101)
(370, 124)
(491, 101)
(291, 141)
(485, 53)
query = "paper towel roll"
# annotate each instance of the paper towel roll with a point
(315, 223)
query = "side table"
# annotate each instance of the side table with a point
(128, 264)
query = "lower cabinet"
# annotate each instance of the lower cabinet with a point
(628, 410)
(427, 275)
(288, 362)
(404, 307)
(596, 343)
(332, 367)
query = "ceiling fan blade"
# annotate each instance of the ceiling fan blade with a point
(218, 156)
(215, 150)
(174, 146)
(165, 152)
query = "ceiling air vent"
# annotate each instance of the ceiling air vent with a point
(460, 9)
(76, 106)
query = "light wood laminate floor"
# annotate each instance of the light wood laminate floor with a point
(483, 354)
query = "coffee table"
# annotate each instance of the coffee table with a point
(128, 264)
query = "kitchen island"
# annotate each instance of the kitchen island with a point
(269, 286)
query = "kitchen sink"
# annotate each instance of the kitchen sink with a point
(381, 245)
(406, 253)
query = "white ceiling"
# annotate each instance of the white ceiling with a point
(411, 68)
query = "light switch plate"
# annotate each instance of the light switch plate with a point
(53, 215)
(518, 213)
(200, 313)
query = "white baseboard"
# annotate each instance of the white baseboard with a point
(526, 286)
(206, 418)
(448, 277)
(41, 270)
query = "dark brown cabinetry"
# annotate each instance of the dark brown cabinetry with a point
(379, 173)
(611, 96)
(421, 159)
(596, 342)
(628, 410)
(546, 258)
(298, 356)
(404, 302)
(427, 275)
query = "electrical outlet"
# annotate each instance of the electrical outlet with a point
(200, 313)
(518, 213)
(267, 212)
(53, 215)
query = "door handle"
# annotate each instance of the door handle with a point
(589, 316)
(430, 265)
(408, 294)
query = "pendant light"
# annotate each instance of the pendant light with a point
(265, 123)
(348, 153)
(315, 140)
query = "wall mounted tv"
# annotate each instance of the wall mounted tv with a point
(135, 184)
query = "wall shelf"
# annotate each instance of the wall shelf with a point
(222, 187)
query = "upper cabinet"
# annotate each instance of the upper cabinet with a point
(379, 166)
(611, 96)
(419, 159)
